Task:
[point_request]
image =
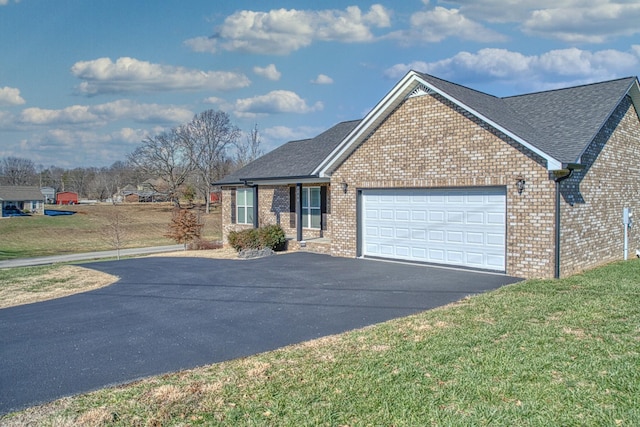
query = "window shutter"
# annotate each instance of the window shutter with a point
(233, 206)
(323, 207)
(292, 207)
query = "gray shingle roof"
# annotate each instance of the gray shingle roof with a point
(293, 159)
(560, 122)
(20, 193)
(568, 119)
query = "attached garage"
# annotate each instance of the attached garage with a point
(453, 226)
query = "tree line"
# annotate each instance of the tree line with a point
(184, 160)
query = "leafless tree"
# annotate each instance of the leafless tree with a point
(114, 232)
(249, 150)
(166, 157)
(207, 137)
(17, 171)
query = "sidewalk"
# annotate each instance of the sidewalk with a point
(24, 262)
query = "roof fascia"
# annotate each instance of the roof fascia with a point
(396, 96)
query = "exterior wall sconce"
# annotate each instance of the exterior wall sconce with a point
(345, 186)
(520, 185)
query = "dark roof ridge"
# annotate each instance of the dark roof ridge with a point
(458, 85)
(569, 87)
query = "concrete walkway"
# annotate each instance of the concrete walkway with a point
(25, 262)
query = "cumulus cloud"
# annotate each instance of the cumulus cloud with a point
(322, 79)
(282, 31)
(132, 75)
(270, 72)
(550, 69)
(99, 115)
(435, 25)
(592, 21)
(586, 24)
(277, 101)
(10, 96)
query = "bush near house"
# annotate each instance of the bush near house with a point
(269, 236)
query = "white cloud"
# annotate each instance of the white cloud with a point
(585, 24)
(440, 23)
(132, 75)
(202, 44)
(270, 72)
(101, 114)
(10, 96)
(277, 101)
(573, 21)
(322, 79)
(282, 31)
(550, 69)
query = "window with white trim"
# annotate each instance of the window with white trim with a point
(311, 211)
(244, 206)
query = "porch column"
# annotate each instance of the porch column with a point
(299, 213)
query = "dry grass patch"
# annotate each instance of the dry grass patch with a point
(34, 284)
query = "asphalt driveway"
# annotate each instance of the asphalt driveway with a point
(168, 314)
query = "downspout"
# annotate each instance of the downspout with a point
(558, 180)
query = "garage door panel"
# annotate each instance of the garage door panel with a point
(402, 215)
(450, 226)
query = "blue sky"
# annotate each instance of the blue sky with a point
(83, 82)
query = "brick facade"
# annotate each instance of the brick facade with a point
(427, 142)
(592, 200)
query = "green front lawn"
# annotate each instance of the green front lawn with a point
(537, 353)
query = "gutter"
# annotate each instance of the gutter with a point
(558, 179)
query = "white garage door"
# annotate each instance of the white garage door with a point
(463, 227)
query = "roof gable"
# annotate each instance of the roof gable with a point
(531, 120)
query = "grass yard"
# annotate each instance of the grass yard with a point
(41, 235)
(537, 353)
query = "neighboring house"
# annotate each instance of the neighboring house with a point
(49, 194)
(531, 185)
(16, 199)
(138, 194)
(67, 198)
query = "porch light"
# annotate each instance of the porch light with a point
(345, 186)
(520, 185)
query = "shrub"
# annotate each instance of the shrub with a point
(270, 236)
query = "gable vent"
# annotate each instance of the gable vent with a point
(421, 90)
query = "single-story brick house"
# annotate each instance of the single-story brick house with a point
(531, 185)
(21, 198)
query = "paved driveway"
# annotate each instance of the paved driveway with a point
(167, 314)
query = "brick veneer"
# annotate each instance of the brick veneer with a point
(592, 200)
(428, 142)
